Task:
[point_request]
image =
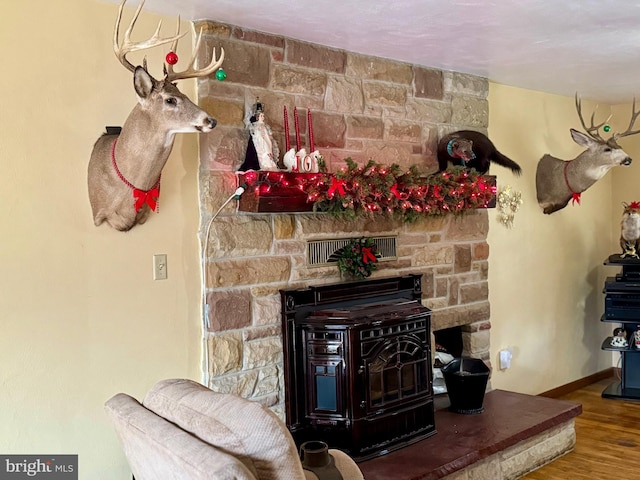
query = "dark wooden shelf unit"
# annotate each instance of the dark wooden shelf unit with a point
(622, 306)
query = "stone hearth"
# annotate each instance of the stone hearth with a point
(514, 435)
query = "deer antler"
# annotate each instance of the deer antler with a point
(191, 71)
(592, 131)
(128, 46)
(634, 116)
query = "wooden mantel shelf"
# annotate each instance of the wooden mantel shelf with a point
(284, 195)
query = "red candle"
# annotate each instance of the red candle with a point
(311, 149)
(286, 129)
(297, 125)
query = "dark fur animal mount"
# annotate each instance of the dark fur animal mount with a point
(471, 150)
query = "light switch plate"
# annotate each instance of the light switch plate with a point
(160, 266)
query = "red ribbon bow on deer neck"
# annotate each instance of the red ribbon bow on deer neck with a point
(368, 256)
(575, 198)
(336, 184)
(150, 197)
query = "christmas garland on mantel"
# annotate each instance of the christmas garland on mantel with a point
(379, 189)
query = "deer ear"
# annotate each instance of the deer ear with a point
(142, 82)
(580, 138)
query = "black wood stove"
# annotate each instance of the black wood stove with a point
(358, 365)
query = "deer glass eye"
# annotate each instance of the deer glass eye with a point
(171, 101)
(607, 149)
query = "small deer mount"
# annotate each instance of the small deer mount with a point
(559, 181)
(125, 167)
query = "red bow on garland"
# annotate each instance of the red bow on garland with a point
(368, 256)
(150, 197)
(336, 184)
(394, 190)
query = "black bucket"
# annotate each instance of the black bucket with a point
(466, 385)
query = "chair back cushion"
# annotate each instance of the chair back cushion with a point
(243, 428)
(158, 450)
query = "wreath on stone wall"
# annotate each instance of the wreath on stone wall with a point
(359, 258)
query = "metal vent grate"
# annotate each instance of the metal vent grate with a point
(325, 252)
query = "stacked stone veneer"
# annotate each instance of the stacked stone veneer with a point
(364, 108)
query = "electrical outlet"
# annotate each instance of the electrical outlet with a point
(505, 359)
(160, 266)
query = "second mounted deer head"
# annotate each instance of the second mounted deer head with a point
(559, 181)
(125, 167)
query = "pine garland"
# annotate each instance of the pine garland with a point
(378, 189)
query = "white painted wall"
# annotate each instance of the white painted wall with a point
(81, 318)
(546, 274)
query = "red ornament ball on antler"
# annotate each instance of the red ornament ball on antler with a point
(171, 58)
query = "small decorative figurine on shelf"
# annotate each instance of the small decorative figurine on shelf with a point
(619, 339)
(262, 150)
(301, 162)
(290, 160)
(636, 337)
(630, 230)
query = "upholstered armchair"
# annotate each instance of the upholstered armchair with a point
(185, 431)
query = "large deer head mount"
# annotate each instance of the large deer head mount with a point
(124, 169)
(559, 181)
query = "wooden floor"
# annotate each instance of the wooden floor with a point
(607, 439)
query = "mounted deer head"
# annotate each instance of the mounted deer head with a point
(124, 169)
(558, 181)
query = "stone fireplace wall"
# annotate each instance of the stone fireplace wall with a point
(364, 108)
